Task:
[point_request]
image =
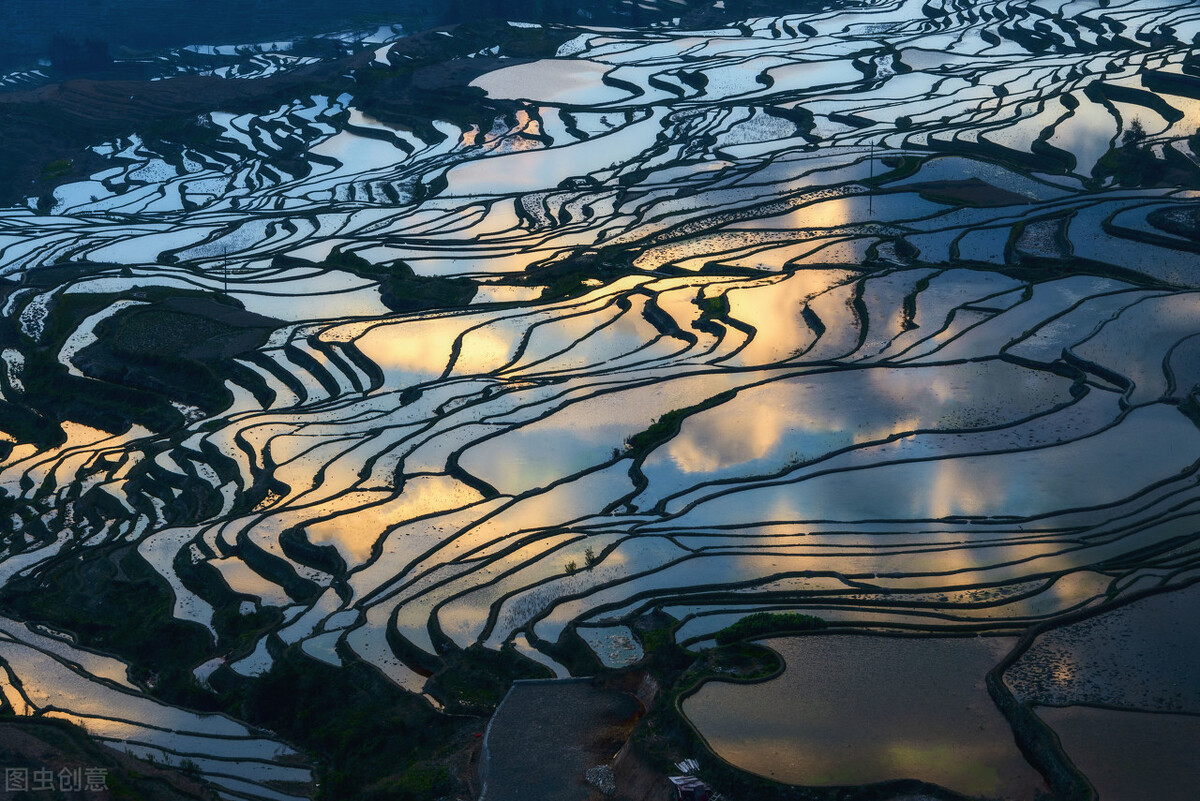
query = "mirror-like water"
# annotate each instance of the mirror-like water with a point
(854, 710)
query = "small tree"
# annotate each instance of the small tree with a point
(1135, 136)
(1134, 163)
(571, 568)
(589, 558)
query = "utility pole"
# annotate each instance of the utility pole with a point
(871, 188)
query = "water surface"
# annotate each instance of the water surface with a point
(861, 709)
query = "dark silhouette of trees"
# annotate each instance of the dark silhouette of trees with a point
(1134, 136)
(1134, 162)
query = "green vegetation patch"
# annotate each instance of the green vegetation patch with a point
(475, 680)
(400, 288)
(716, 306)
(1134, 163)
(56, 169)
(418, 782)
(50, 744)
(372, 740)
(112, 600)
(1183, 221)
(172, 346)
(177, 347)
(667, 426)
(738, 661)
(762, 623)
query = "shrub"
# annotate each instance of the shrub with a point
(761, 623)
(1135, 135)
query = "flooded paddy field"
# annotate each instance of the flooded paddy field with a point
(455, 357)
(857, 710)
(1129, 755)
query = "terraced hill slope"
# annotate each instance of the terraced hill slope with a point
(886, 312)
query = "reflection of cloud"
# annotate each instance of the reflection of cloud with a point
(729, 438)
(355, 532)
(774, 309)
(418, 347)
(61, 464)
(755, 424)
(952, 491)
(484, 349)
(918, 388)
(798, 419)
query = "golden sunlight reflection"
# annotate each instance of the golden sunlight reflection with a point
(63, 462)
(1064, 669)
(244, 581)
(565, 502)
(17, 701)
(774, 309)
(355, 532)
(830, 213)
(420, 349)
(861, 709)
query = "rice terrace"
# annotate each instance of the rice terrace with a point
(820, 380)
